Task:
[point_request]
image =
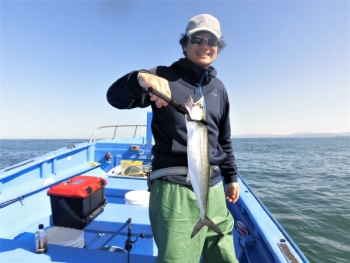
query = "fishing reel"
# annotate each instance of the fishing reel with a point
(129, 242)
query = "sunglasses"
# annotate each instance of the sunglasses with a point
(213, 42)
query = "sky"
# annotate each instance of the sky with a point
(285, 66)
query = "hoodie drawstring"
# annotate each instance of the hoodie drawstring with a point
(201, 89)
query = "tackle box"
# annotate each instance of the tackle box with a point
(75, 203)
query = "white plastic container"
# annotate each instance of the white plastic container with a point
(138, 197)
(64, 236)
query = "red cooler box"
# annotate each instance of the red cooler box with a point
(75, 203)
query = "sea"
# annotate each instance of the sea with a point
(303, 182)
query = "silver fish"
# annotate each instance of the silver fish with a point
(199, 169)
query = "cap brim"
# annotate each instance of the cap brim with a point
(196, 30)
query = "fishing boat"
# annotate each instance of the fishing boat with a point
(119, 229)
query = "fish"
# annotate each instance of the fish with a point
(199, 169)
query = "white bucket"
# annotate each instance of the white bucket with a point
(65, 236)
(138, 197)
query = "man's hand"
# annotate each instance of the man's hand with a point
(232, 192)
(147, 80)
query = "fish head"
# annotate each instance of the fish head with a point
(195, 110)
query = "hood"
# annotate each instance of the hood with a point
(194, 72)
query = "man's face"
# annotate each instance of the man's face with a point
(202, 55)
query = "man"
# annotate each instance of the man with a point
(173, 207)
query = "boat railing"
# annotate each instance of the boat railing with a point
(93, 137)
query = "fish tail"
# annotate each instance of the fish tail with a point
(206, 222)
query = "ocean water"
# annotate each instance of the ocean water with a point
(304, 182)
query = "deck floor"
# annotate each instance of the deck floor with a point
(109, 229)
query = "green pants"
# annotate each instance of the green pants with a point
(174, 212)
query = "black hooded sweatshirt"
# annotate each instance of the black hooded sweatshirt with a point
(168, 125)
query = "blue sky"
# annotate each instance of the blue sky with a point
(286, 65)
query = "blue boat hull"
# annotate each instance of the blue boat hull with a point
(24, 204)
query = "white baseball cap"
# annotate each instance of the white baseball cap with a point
(203, 22)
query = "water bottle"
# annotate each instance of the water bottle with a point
(40, 240)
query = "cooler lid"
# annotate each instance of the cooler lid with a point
(79, 186)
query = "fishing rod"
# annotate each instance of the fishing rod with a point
(180, 108)
(177, 106)
(129, 242)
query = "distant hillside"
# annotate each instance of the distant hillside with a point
(294, 135)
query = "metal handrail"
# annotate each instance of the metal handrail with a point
(93, 139)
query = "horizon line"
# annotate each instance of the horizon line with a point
(252, 135)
